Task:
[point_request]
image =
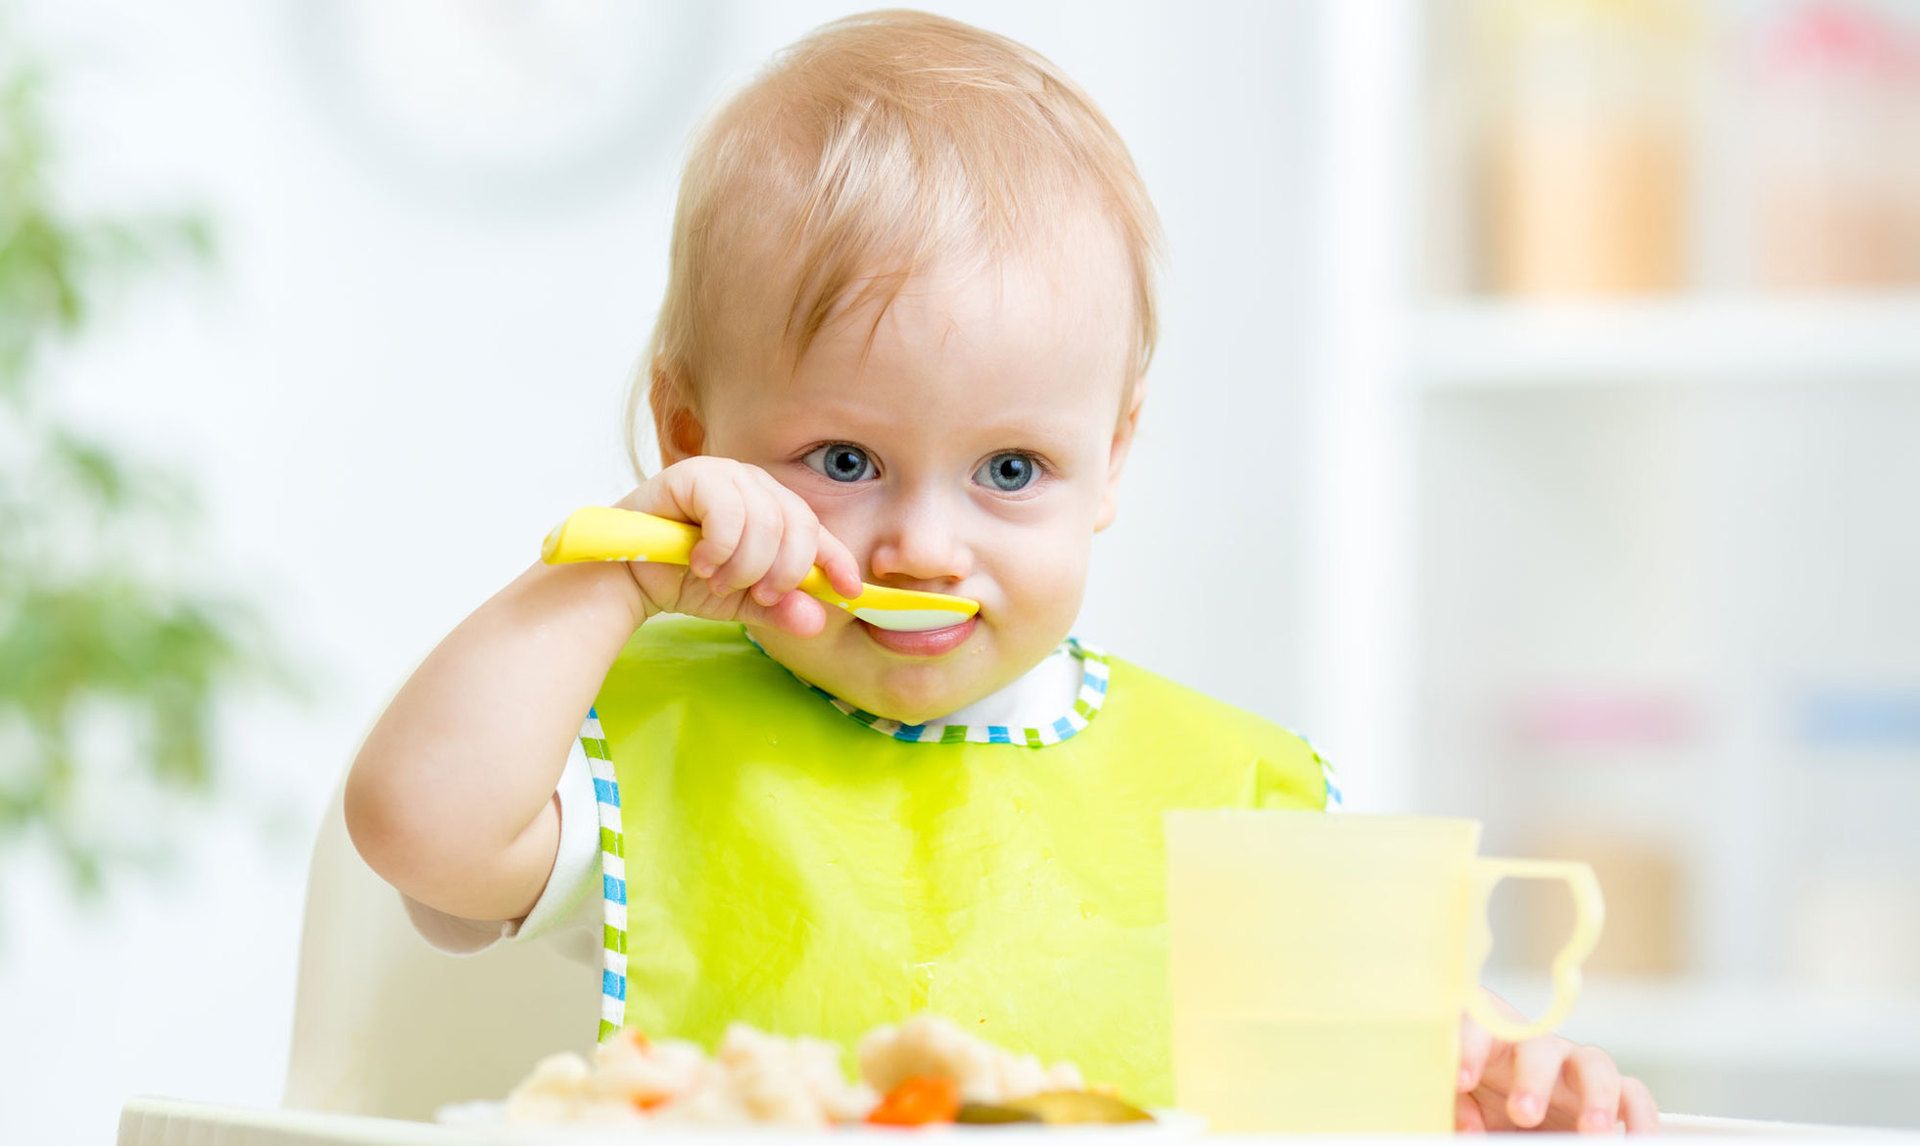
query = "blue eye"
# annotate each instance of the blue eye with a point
(1008, 472)
(841, 462)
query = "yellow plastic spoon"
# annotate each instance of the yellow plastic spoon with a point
(597, 533)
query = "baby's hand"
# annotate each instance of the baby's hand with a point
(757, 540)
(1546, 1083)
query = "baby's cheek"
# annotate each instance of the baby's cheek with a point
(1045, 595)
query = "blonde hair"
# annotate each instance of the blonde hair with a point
(861, 154)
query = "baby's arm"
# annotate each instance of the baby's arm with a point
(451, 799)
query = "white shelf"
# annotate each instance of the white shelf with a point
(1693, 339)
(1688, 1022)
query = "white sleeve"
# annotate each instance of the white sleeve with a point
(569, 911)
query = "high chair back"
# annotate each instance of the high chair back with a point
(385, 1025)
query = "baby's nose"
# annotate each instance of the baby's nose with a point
(924, 545)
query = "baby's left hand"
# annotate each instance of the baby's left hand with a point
(1546, 1083)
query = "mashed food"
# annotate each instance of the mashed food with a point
(924, 1070)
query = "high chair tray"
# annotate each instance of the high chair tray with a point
(150, 1121)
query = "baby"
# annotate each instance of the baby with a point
(905, 335)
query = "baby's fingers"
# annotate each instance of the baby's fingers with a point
(1595, 1083)
(759, 540)
(1475, 1043)
(842, 570)
(1467, 1118)
(1637, 1108)
(799, 538)
(723, 520)
(1536, 1067)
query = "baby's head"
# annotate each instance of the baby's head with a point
(912, 279)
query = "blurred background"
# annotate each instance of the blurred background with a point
(1555, 365)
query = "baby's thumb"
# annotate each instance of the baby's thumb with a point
(795, 613)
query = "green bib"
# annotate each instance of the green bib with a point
(799, 865)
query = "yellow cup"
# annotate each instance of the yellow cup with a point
(1321, 963)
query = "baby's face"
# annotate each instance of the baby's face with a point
(972, 449)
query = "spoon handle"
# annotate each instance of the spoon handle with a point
(597, 533)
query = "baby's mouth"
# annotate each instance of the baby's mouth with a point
(926, 643)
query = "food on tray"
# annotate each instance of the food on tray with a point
(1064, 1108)
(928, 1046)
(922, 1072)
(752, 1077)
(918, 1101)
(987, 1114)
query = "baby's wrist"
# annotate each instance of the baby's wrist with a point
(605, 588)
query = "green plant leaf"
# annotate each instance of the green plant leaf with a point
(89, 640)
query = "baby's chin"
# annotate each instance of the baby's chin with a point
(914, 694)
(911, 693)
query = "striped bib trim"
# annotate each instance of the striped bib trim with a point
(613, 878)
(1094, 671)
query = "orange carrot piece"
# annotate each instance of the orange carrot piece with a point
(918, 1101)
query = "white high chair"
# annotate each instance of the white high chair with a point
(385, 1025)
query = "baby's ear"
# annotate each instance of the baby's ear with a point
(1117, 455)
(675, 422)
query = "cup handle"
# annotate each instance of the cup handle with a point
(1588, 914)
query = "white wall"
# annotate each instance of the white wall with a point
(387, 395)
